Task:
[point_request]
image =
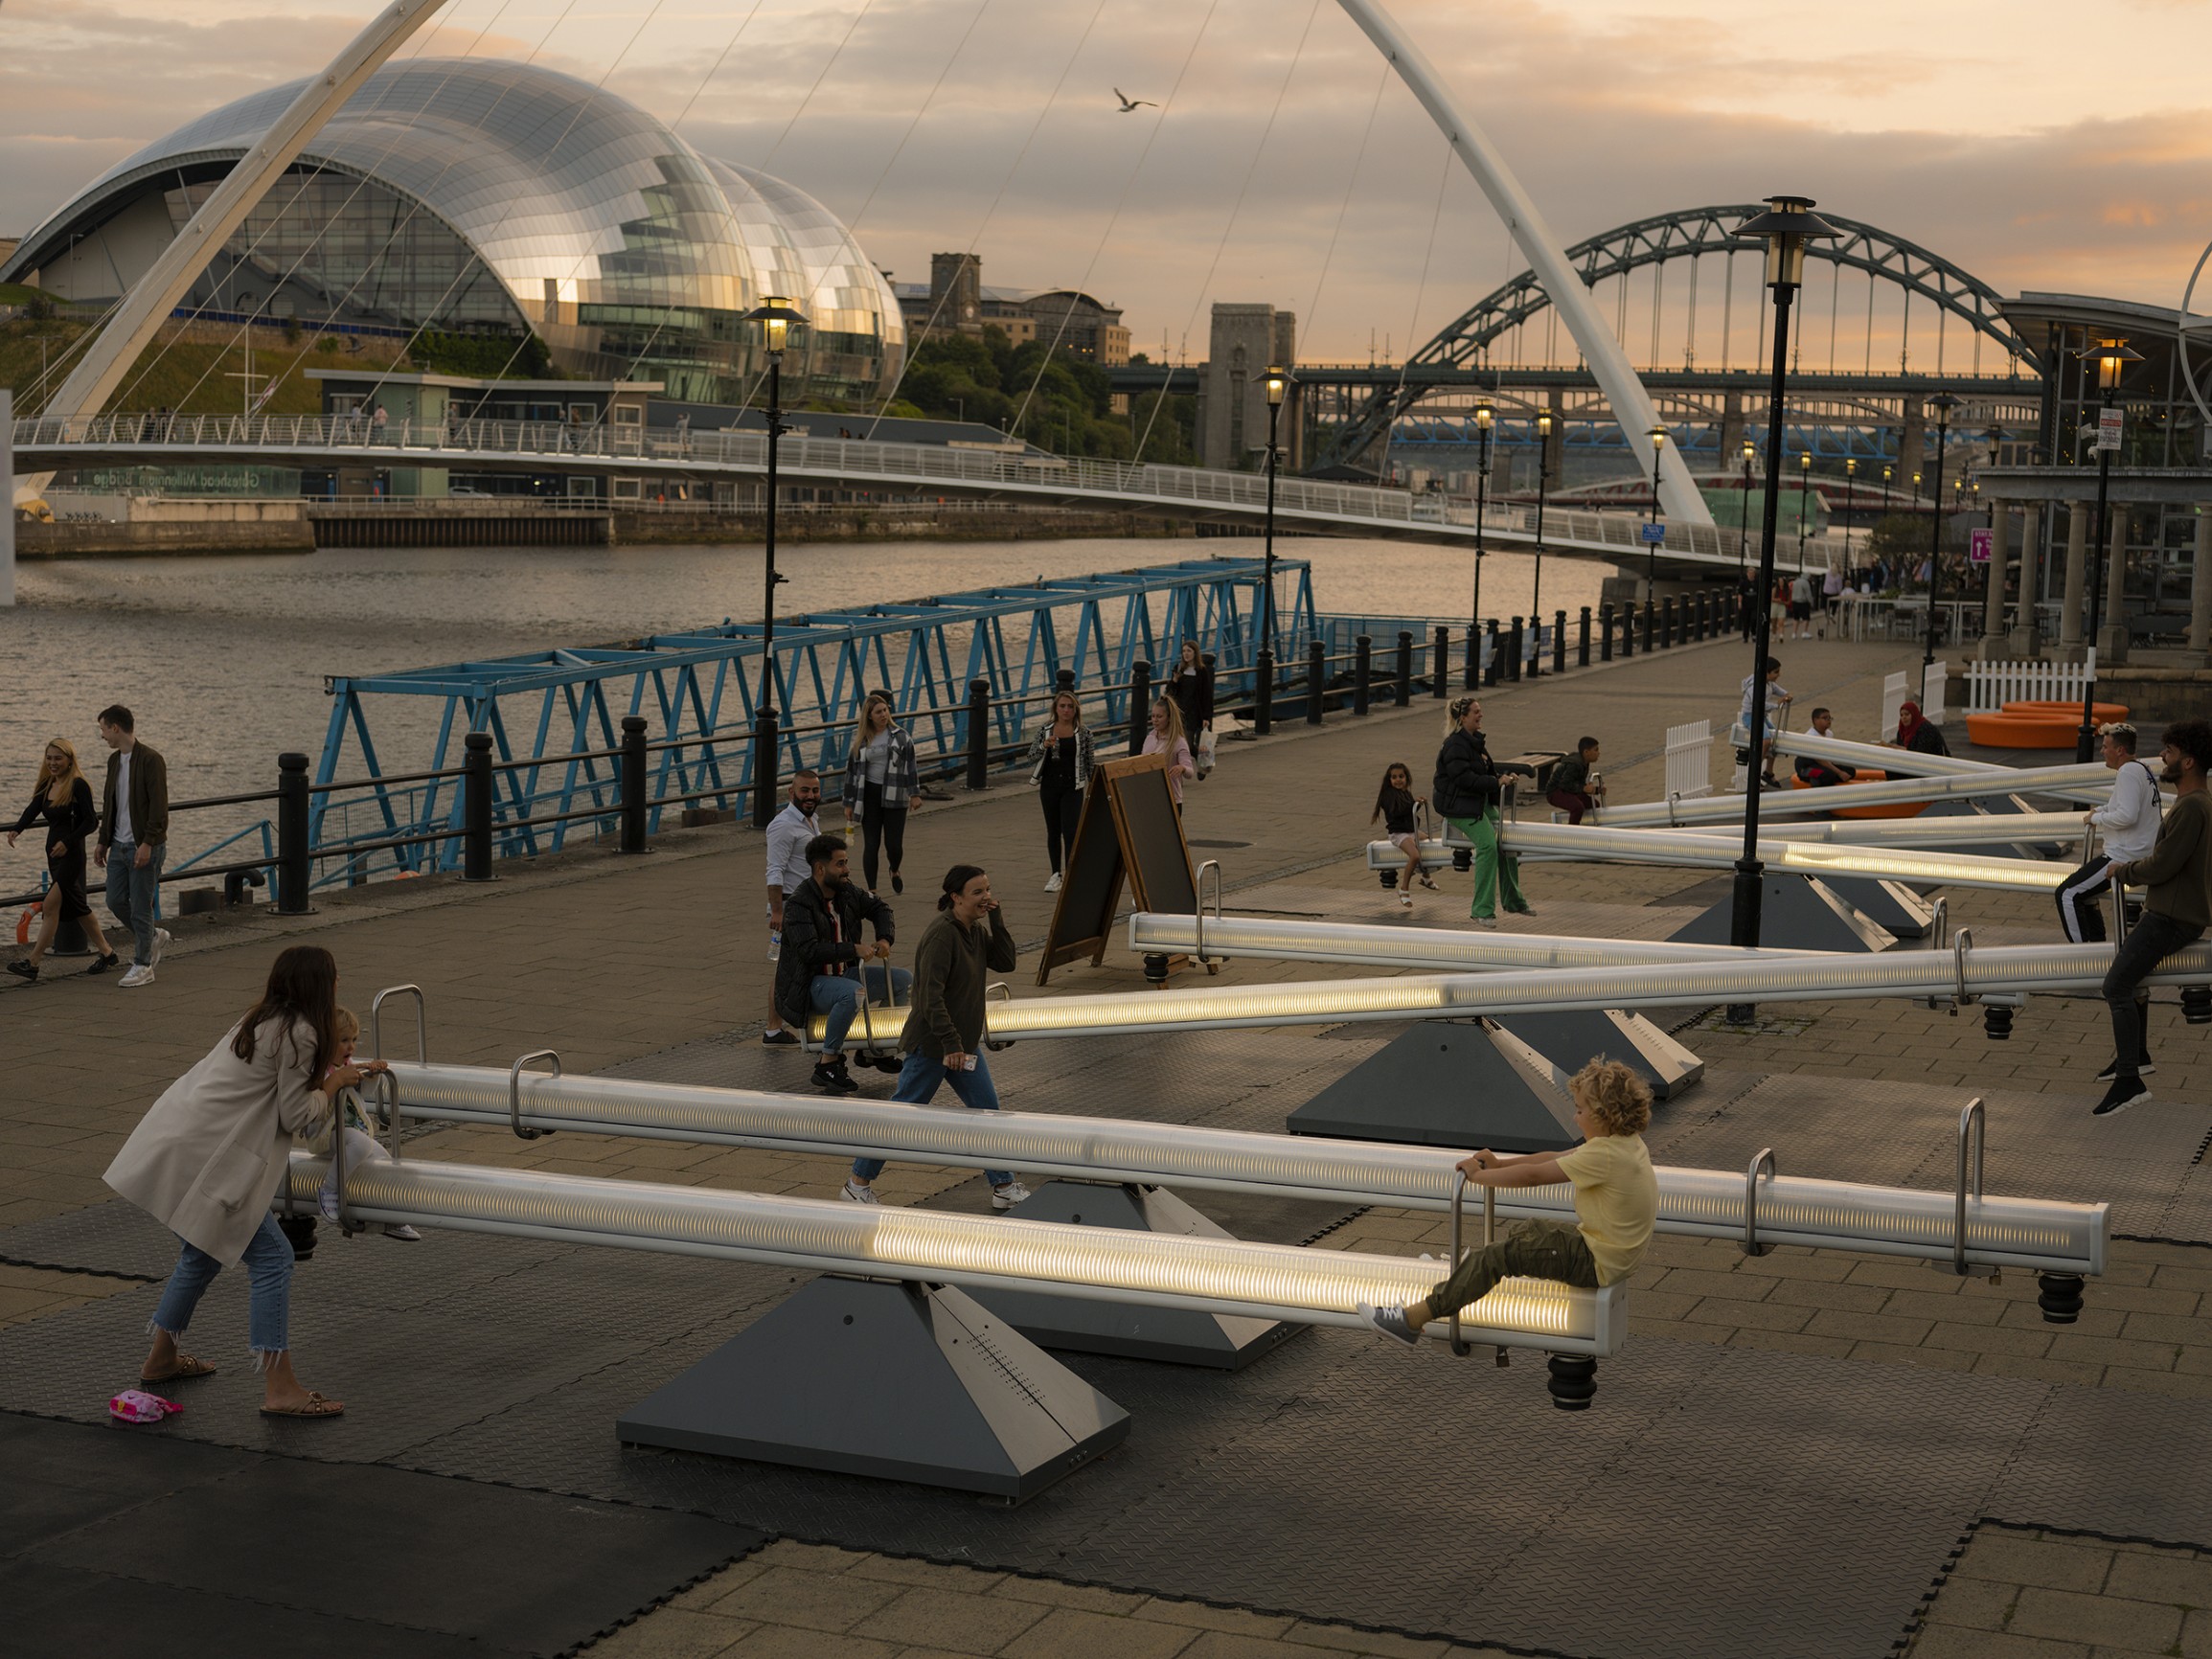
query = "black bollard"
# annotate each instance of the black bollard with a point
(1558, 642)
(1628, 629)
(294, 868)
(1651, 625)
(1604, 633)
(978, 733)
(1363, 671)
(1583, 640)
(1140, 705)
(1317, 677)
(1063, 680)
(633, 780)
(1262, 693)
(1402, 697)
(476, 808)
(1440, 663)
(1513, 650)
(1667, 621)
(1496, 664)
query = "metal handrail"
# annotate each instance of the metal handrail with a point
(996, 988)
(1459, 1183)
(387, 1091)
(1765, 1161)
(514, 1092)
(1199, 907)
(1972, 1125)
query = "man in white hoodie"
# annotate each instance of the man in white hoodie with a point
(2127, 821)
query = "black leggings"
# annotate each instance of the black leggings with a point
(881, 828)
(1062, 810)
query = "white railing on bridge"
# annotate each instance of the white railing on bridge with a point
(1991, 686)
(1690, 761)
(439, 443)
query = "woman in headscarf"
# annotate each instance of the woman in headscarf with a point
(1917, 733)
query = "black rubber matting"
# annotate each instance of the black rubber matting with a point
(117, 1539)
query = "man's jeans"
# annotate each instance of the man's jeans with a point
(2149, 943)
(268, 1265)
(134, 894)
(838, 996)
(918, 1081)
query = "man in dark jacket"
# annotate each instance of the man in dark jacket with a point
(133, 839)
(820, 968)
(1467, 791)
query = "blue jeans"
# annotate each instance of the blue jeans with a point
(268, 1265)
(134, 894)
(918, 1081)
(838, 996)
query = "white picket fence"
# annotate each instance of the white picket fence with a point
(1897, 687)
(1690, 759)
(1991, 686)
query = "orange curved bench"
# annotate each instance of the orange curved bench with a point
(2038, 725)
(1867, 774)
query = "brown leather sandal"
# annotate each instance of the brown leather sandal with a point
(316, 1406)
(186, 1366)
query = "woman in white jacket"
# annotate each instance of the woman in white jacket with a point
(206, 1161)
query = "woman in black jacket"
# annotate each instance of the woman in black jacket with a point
(1467, 791)
(1192, 686)
(64, 804)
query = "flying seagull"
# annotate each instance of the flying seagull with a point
(1130, 105)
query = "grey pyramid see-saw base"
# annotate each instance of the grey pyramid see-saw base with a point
(1796, 913)
(1177, 1335)
(874, 1376)
(1572, 1038)
(1448, 1083)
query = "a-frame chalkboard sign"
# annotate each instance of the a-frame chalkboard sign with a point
(1129, 830)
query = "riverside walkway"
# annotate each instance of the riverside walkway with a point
(1806, 1452)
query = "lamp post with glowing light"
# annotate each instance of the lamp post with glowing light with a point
(1850, 503)
(1942, 403)
(1786, 225)
(2113, 357)
(1804, 502)
(1658, 437)
(1263, 700)
(1543, 473)
(1743, 526)
(776, 317)
(1485, 418)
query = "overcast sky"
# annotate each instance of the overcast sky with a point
(2038, 145)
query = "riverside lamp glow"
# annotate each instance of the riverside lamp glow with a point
(1786, 225)
(2112, 357)
(1543, 473)
(1804, 504)
(1485, 418)
(1264, 665)
(775, 315)
(1744, 518)
(1659, 436)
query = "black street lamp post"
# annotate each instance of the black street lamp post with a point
(1849, 505)
(2112, 359)
(1804, 502)
(1658, 437)
(1942, 403)
(1786, 227)
(1743, 527)
(775, 315)
(1543, 473)
(1484, 418)
(1263, 699)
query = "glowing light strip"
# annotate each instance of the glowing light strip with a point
(1896, 791)
(2008, 1232)
(1212, 1275)
(1386, 947)
(1709, 851)
(1833, 977)
(2093, 779)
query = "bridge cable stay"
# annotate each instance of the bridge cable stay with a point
(362, 183)
(1045, 359)
(1421, 292)
(1005, 183)
(1343, 207)
(1229, 228)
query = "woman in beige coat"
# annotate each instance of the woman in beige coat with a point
(207, 1161)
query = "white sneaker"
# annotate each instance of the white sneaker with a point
(1052, 884)
(400, 1231)
(1006, 1197)
(326, 1205)
(138, 974)
(856, 1193)
(160, 944)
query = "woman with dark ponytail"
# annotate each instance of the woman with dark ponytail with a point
(942, 1042)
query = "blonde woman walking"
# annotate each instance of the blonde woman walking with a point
(1166, 737)
(1061, 759)
(883, 782)
(63, 803)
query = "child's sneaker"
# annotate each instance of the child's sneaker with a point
(1006, 1197)
(1391, 1322)
(858, 1192)
(400, 1231)
(327, 1204)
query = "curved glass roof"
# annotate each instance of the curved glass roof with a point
(630, 252)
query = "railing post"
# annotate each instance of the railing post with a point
(1262, 691)
(1513, 650)
(476, 808)
(1651, 624)
(1140, 705)
(1558, 642)
(294, 869)
(1705, 617)
(1474, 655)
(1363, 671)
(1629, 630)
(1063, 680)
(1440, 663)
(1497, 655)
(633, 780)
(1316, 678)
(1403, 696)
(1583, 640)
(1667, 621)
(1604, 633)
(978, 733)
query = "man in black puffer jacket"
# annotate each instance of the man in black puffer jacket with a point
(1467, 791)
(821, 965)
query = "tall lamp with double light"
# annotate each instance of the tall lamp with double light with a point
(1543, 473)
(1786, 225)
(776, 317)
(1658, 437)
(2112, 358)
(1264, 665)
(1942, 403)
(1485, 418)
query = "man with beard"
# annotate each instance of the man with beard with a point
(820, 970)
(2176, 913)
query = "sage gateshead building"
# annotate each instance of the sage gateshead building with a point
(472, 205)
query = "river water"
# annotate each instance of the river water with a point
(222, 659)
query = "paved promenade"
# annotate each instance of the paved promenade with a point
(1809, 1453)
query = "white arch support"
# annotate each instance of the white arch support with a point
(148, 306)
(1616, 376)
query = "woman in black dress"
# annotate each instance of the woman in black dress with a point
(1192, 686)
(64, 805)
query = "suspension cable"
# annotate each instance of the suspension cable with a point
(1413, 324)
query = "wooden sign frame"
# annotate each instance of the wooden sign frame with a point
(1130, 832)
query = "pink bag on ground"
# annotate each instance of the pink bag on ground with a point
(136, 1405)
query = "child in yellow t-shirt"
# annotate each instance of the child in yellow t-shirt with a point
(1616, 1203)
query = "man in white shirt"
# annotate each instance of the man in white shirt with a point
(788, 832)
(2127, 821)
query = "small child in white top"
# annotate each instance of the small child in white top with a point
(352, 1121)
